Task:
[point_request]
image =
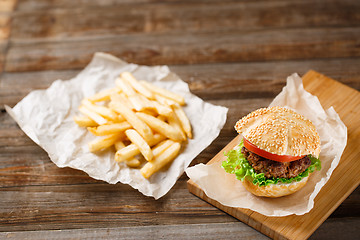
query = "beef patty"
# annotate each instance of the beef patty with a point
(276, 169)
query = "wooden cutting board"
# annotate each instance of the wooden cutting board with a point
(344, 180)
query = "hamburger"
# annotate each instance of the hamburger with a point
(278, 151)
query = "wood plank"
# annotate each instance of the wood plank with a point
(334, 229)
(231, 230)
(5, 19)
(7, 6)
(3, 49)
(208, 81)
(15, 86)
(265, 79)
(37, 197)
(344, 180)
(350, 206)
(100, 205)
(187, 48)
(56, 22)
(69, 4)
(6, 9)
(209, 231)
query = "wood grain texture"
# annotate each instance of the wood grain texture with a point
(50, 194)
(231, 230)
(211, 230)
(5, 19)
(231, 53)
(100, 205)
(56, 22)
(344, 180)
(7, 6)
(6, 9)
(173, 32)
(208, 81)
(3, 49)
(186, 48)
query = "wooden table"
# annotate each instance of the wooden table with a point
(231, 53)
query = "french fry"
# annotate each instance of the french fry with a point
(104, 143)
(130, 93)
(119, 145)
(175, 123)
(84, 121)
(132, 150)
(162, 118)
(104, 95)
(126, 153)
(160, 126)
(125, 87)
(161, 147)
(92, 115)
(161, 160)
(162, 109)
(164, 101)
(121, 98)
(120, 118)
(132, 162)
(101, 110)
(136, 101)
(184, 121)
(146, 102)
(108, 129)
(127, 76)
(134, 121)
(150, 112)
(165, 93)
(143, 146)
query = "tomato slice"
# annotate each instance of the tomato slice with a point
(279, 158)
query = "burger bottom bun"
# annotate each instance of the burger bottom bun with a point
(274, 190)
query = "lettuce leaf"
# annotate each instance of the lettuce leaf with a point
(237, 164)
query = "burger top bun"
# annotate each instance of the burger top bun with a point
(280, 131)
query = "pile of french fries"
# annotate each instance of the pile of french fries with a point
(145, 123)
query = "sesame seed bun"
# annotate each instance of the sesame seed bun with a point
(280, 131)
(274, 190)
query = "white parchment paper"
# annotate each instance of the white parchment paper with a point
(226, 189)
(46, 116)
